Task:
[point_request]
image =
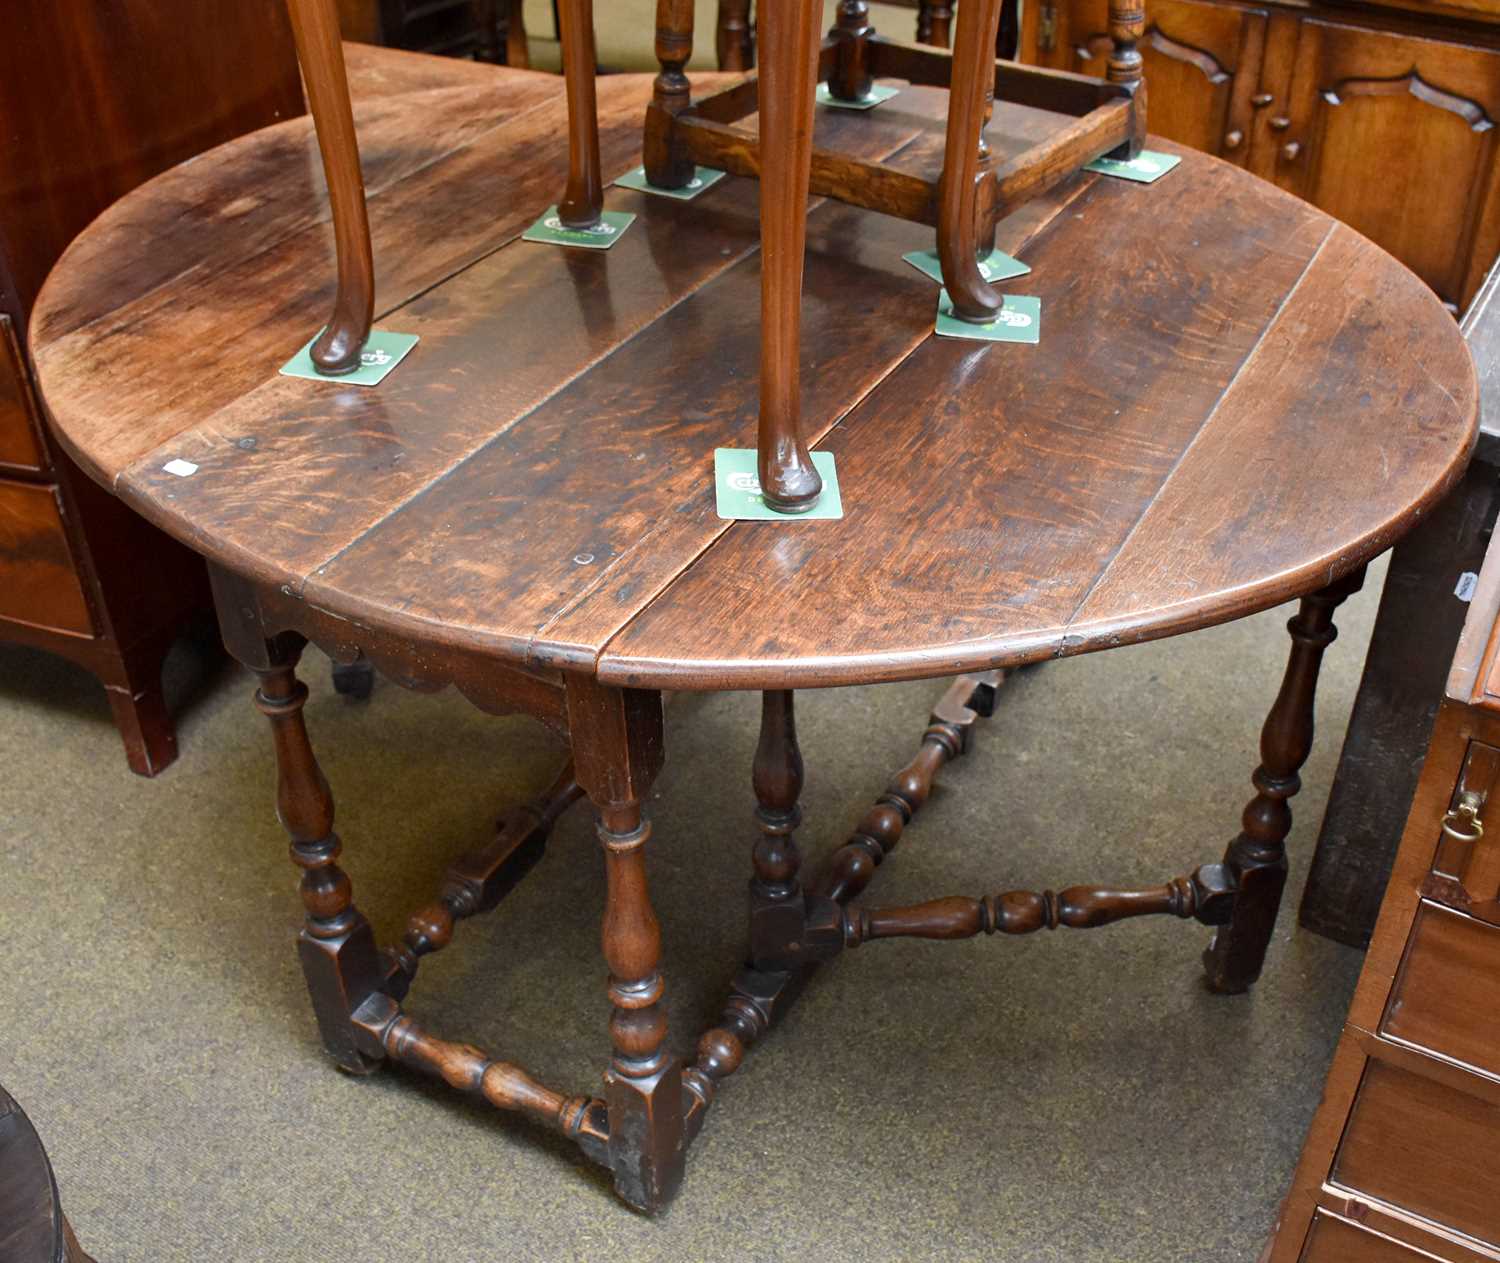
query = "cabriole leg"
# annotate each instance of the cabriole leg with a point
(966, 193)
(1257, 857)
(617, 747)
(789, 47)
(583, 199)
(315, 26)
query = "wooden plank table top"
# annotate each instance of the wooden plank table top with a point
(1234, 401)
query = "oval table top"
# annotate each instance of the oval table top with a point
(1234, 400)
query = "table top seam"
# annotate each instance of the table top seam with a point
(1228, 390)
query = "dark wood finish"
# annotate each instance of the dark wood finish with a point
(33, 1228)
(949, 734)
(964, 203)
(21, 446)
(1206, 895)
(39, 581)
(1415, 633)
(617, 742)
(478, 881)
(966, 226)
(1267, 299)
(315, 24)
(789, 47)
(544, 537)
(777, 909)
(583, 198)
(487, 30)
(1383, 121)
(1399, 1161)
(98, 96)
(667, 165)
(734, 38)
(1257, 857)
(1416, 630)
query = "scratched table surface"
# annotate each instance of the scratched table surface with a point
(1234, 400)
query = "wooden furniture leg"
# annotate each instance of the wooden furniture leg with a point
(1257, 857)
(1127, 26)
(315, 25)
(617, 751)
(339, 957)
(517, 50)
(789, 76)
(735, 37)
(777, 909)
(966, 228)
(139, 707)
(667, 164)
(934, 17)
(583, 200)
(850, 78)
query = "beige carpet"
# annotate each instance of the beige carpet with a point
(1072, 1096)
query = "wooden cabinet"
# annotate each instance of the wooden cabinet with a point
(96, 97)
(1194, 54)
(1382, 120)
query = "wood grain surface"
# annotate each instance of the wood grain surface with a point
(1233, 402)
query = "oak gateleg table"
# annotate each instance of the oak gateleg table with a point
(1235, 402)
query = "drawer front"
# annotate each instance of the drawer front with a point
(1335, 1240)
(38, 581)
(1443, 997)
(19, 445)
(1425, 1148)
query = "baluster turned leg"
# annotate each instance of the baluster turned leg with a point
(735, 41)
(933, 21)
(617, 747)
(667, 165)
(777, 909)
(966, 229)
(1127, 25)
(315, 26)
(583, 199)
(851, 79)
(789, 46)
(1257, 856)
(337, 946)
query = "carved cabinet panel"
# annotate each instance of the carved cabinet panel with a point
(1391, 130)
(1202, 61)
(1395, 135)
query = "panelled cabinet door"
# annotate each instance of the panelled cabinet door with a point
(1201, 64)
(1395, 135)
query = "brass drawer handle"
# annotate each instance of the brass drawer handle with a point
(1462, 824)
